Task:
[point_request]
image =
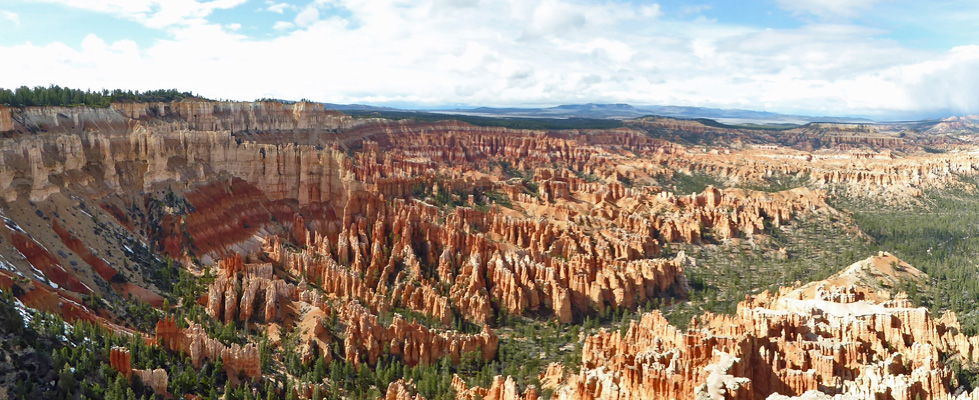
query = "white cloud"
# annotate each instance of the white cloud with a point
(233, 27)
(828, 8)
(516, 52)
(11, 17)
(277, 8)
(283, 25)
(307, 16)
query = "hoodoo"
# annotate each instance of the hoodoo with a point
(285, 250)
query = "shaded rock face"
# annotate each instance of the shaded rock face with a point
(6, 120)
(188, 115)
(132, 161)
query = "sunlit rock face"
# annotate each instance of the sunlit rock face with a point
(839, 337)
(311, 220)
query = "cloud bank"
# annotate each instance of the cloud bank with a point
(512, 53)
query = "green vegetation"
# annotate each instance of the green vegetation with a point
(683, 184)
(936, 234)
(778, 182)
(43, 348)
(939, 237)
(76, 358)
(58, 96)
(766, 127)
(528, 345)
(814, 249)
(450, 199)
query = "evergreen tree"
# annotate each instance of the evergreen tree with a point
(67, 385)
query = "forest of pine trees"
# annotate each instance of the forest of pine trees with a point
(66, 97)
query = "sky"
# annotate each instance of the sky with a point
(884, 59)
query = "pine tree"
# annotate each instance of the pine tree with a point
(119, 388)
(270, 392)
(67, 384)
(319, 371)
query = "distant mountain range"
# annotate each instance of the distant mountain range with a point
(617, 111)
(359, 107)
(623, 111)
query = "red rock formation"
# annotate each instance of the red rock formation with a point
(103, 268)
(62, 302)
(260, 292)
(49, 266)
(560, 224)
(76, 245)
(415, 343)
(225, 214)
(828, 336)
(501, 389)
(120, 360)
(195, 343)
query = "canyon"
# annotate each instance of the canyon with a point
(309, 236)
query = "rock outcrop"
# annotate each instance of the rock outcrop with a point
(835, 336)
(413, 342)
(313, 217)
(500, 389)
(401, 390)
(194, 342)
(245, 293)
(121, 360)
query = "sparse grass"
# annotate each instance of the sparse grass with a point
(683, 184)
(815, 247)
(939, 236)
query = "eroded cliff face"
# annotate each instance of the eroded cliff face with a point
(369, 241)
(363, 228)
(181, 115)
(99, 164)
(6, 119)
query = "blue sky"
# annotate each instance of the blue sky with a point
(877, 58)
